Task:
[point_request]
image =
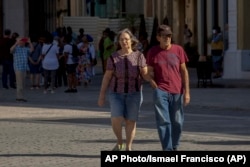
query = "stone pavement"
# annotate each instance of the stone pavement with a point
(57, 130)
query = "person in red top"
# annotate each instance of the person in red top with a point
(167, 63)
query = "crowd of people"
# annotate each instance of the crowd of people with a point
(48, 59)
(127, 62)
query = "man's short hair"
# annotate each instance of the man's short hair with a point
(164, 30)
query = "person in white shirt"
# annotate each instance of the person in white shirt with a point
(70, 65)
(50, 63)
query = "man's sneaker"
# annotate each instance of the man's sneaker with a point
(68, 91)
(119, 147)
(74, 90)
(21, 100)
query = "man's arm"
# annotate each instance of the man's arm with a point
(185, 81)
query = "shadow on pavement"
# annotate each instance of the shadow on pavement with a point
(50, 155)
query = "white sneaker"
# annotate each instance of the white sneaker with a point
(45, 92)
(52, 91)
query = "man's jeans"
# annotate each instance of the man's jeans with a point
(8, 71)
(169, 118)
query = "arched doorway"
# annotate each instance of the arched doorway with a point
(42, 16)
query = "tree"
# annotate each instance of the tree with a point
(154, 40)
(142, 26)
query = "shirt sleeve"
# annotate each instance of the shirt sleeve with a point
(142, 62)
(67, 49)
(183, 56)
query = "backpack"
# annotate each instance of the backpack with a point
(75, 50)
(75, 53)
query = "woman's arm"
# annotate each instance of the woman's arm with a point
(147, 74)
(105, 83)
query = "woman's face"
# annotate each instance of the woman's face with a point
(125, 41)
(84, 39)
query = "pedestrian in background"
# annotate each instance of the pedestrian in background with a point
(109, 45)
(61, 71)
(80, 35)
(70, 65)
(123, 78)
(143, 43)
(187, 37)
(217, 47)
(35, 65)
(6, 59)
(167, 63)
(50, 63)
(101, 49)
(85, 69)
(20, 56)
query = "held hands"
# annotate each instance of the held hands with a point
(153, 84)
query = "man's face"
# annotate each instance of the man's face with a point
(22, 43)
(164, 39)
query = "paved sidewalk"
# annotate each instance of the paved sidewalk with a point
(57, 130)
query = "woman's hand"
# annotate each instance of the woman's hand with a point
(153, 84)
(101, 100)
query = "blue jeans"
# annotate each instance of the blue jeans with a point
(49, 76)
(169, 116)
(126, 105)
(217, 62)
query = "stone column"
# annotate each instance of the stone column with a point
(234, 57)
(15, 16)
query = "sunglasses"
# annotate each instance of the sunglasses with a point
(166, 35)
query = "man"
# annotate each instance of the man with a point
(217, 47)
(20, 55)
(171, 87)
(187, 36)
(7, 60)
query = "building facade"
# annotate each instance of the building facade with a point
(30, 16)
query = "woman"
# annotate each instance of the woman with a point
(85, 69)
(122, 76)
(35, 64)
(70, 65)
